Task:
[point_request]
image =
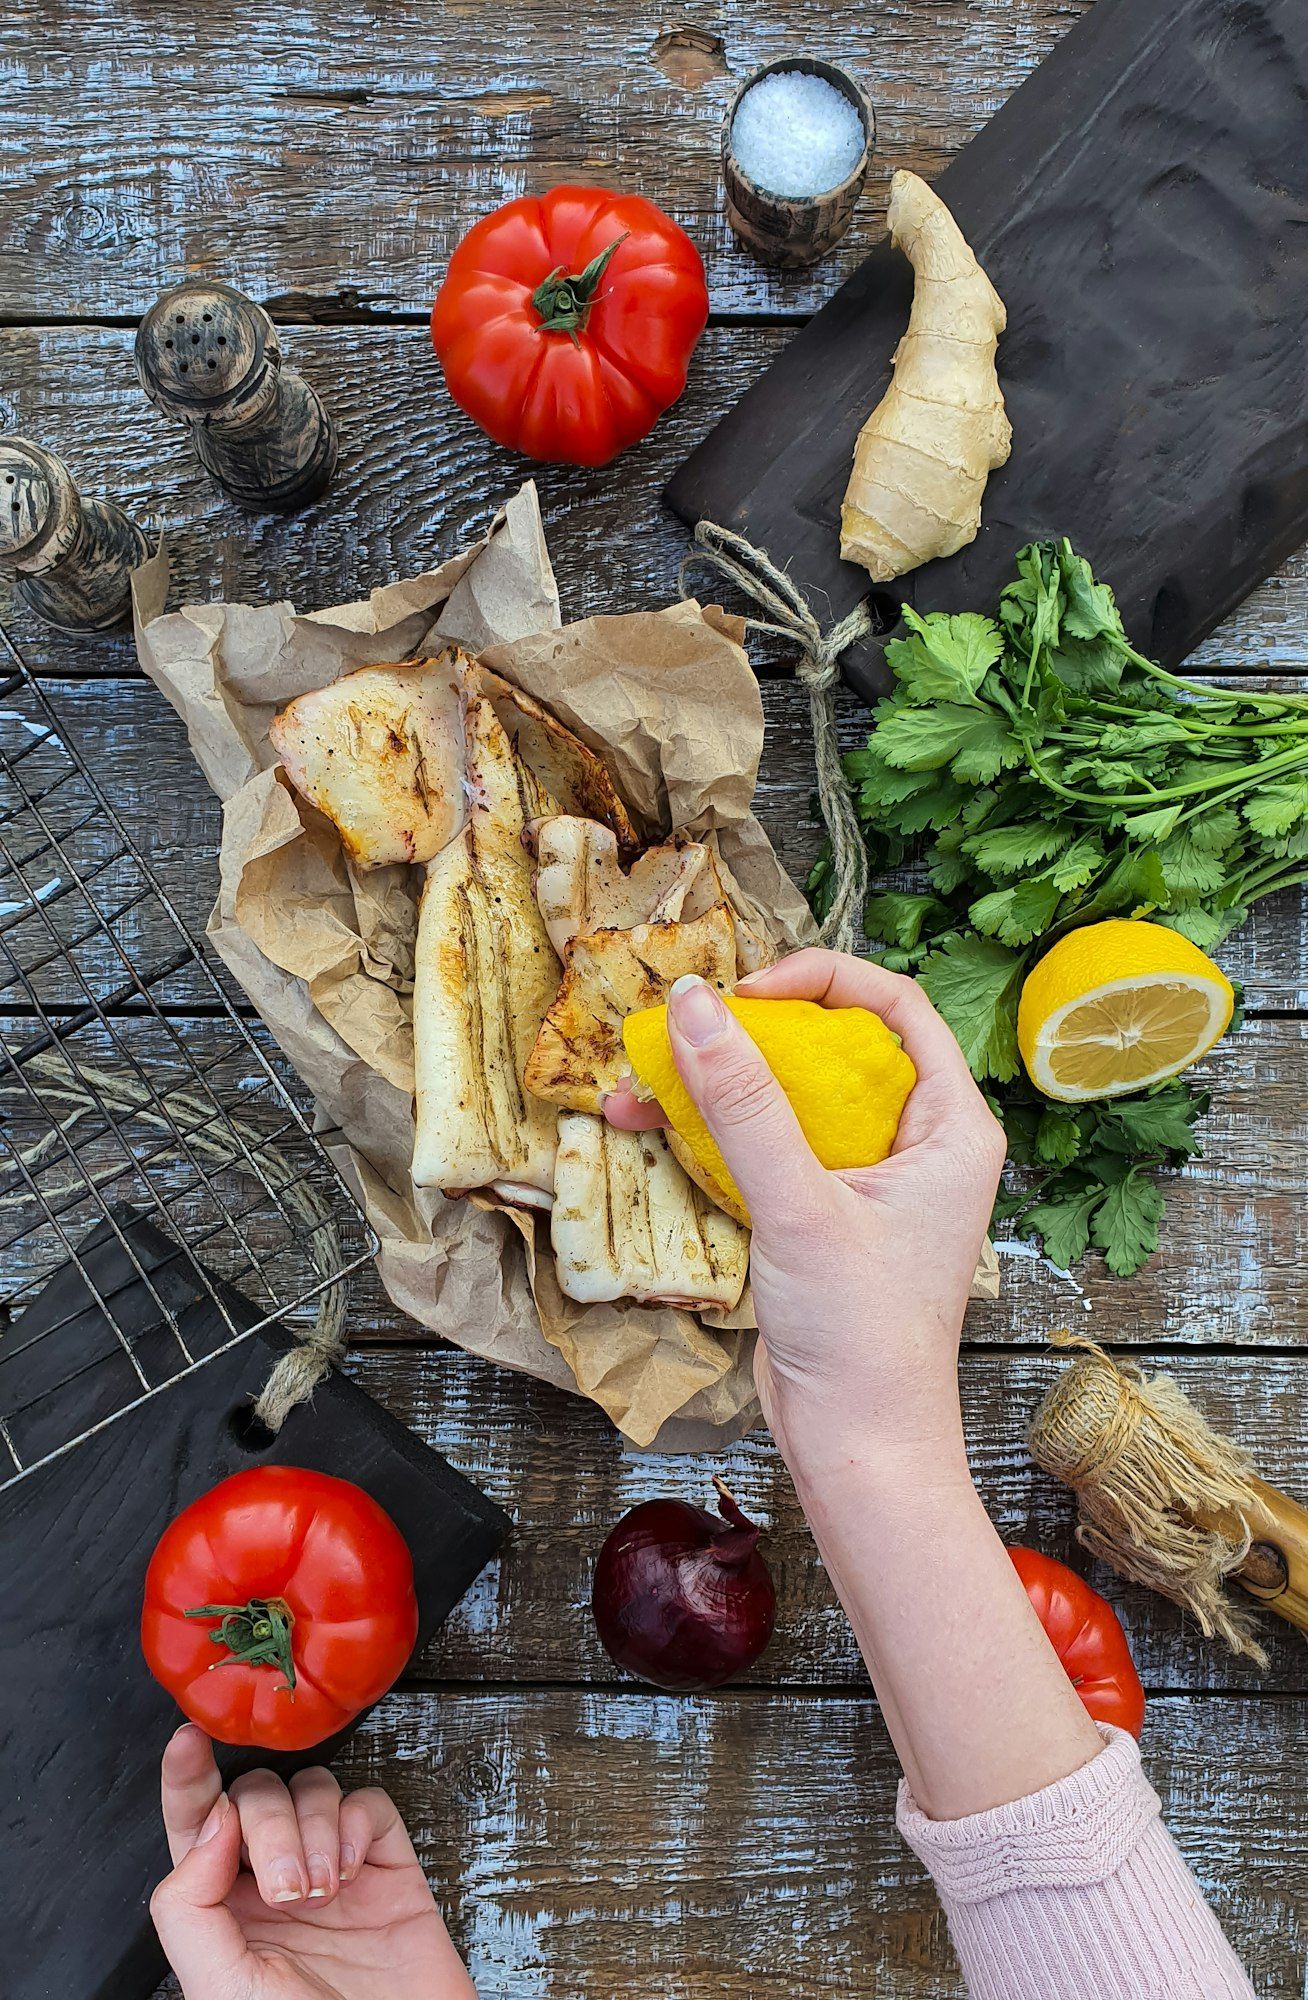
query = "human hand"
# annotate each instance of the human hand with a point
(294, 1893)
(860, 1278)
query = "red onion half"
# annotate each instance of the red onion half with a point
(683, 1599)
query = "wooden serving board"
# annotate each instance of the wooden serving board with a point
(1141, 203)
(84, 1723)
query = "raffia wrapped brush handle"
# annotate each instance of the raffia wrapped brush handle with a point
(1168, 1502)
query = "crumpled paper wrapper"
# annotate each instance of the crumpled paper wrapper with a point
(325, 952)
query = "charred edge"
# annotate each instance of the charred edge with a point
(610, 1220)
(513, 1144)
(479, 1068)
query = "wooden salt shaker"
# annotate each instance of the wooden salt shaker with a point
(72, 558)
(792, 231)
(209, 358)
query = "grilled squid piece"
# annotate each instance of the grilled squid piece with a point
(381, 753)
(485, 974)
(579, 1054)
(582, 886)
(627, 1223)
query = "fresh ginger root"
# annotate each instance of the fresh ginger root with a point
(925, 453)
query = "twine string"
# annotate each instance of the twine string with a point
(791, 617)
(188, 1117)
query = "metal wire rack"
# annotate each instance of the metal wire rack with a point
(131, 1092)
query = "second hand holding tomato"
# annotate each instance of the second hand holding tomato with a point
(567, 320)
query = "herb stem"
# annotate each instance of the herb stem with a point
(1213, 789)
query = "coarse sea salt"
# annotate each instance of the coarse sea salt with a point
(795, 134)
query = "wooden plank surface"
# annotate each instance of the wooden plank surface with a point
(138, 749)
(746, 1844)
(553, 1462)
(333, 160)
(1228, 1272)
(416, 481)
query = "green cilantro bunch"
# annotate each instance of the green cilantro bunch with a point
(1047, 775)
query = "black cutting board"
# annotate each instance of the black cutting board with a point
(1141, 203)
(84, 1725)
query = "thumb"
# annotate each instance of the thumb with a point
(742, 1103)
(201, 1938)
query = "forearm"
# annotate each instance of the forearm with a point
(977, 1703)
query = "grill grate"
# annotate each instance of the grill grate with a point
(131, 1092)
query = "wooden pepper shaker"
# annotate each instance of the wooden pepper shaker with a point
(72, 558)
(208, 357)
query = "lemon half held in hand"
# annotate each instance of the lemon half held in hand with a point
(846, 1076)
(1117, 1006)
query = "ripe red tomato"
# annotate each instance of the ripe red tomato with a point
(277, 1606)
(566, 322)
(1088, 1638)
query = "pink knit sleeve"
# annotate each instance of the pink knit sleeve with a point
(1077, 1891)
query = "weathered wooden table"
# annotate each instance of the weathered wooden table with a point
(589, 1839)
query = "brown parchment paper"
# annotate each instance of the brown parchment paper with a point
(325, 952)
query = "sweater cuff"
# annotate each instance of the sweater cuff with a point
(1072, 1833)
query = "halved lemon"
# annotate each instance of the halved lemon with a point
(1117, 1006)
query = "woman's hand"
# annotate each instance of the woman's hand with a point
(860, 1279)
(294, 1894)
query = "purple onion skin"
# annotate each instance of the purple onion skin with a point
(683, 1599)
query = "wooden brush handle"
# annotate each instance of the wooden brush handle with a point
(1276, 1569)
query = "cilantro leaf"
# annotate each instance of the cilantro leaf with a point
(975, 743)
(974, 983)
(1159, 1124)
(1215, 832)
(1091, 610)
(948, 657)
(1012, 850)
(1154, 825)
(1058, 1137)
(900, 917)
(1077, 864)
(1063, 1221)
(1125, 1225)
(1017, 915)
(1188, 871)
(1206, 928)
(1133, 886)
(1087, 666)
(1275, 808)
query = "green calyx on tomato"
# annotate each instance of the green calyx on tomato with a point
(257, 1634)
(564, 301)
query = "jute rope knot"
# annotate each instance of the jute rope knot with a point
(790, 616)
(1161, 1497)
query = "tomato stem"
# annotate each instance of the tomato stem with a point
(564, 300)
(257, 1634)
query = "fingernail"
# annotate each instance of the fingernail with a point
(349, 1859)
(217, 1815)
(320, 1876)
(286, 1884)
(699, 1014)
